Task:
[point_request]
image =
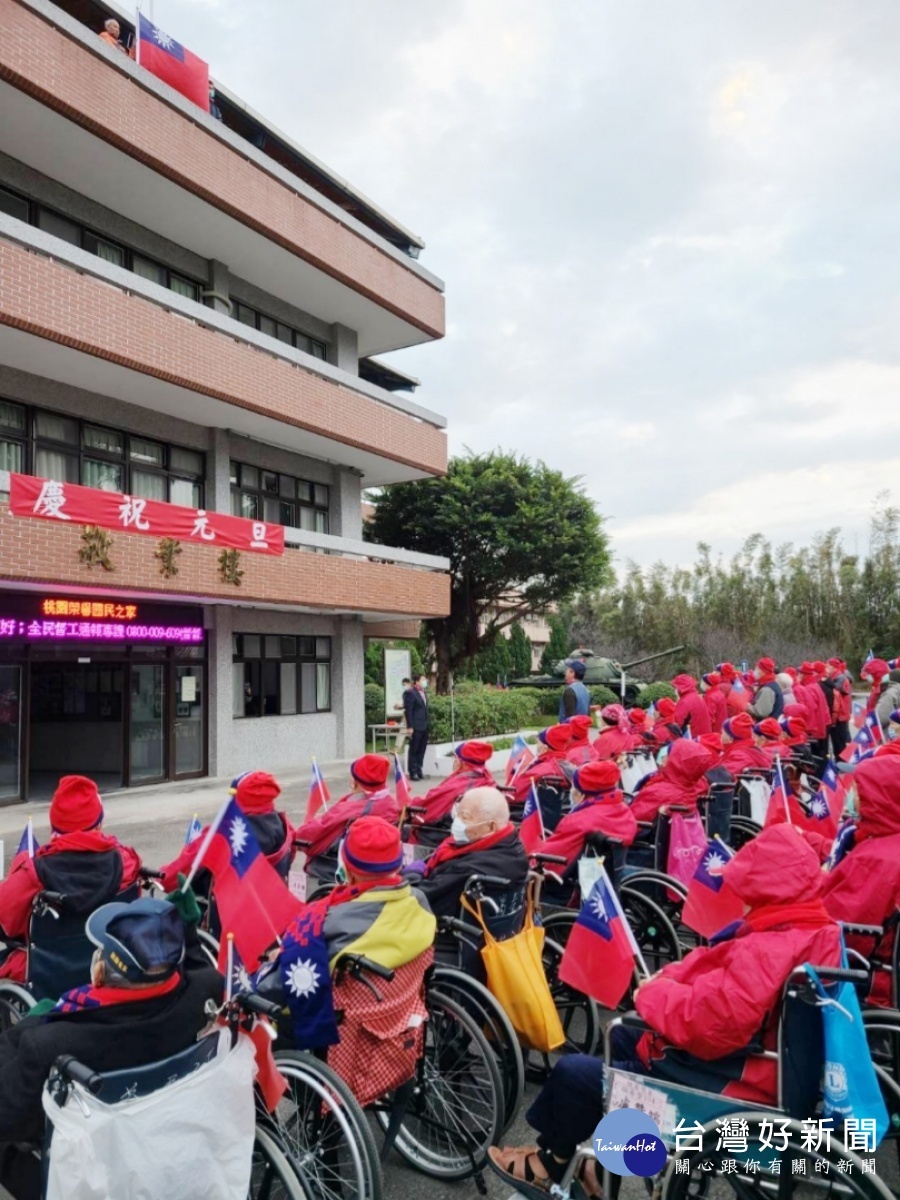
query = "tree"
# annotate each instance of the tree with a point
(519, 537)
(558, 646)
(519, 651)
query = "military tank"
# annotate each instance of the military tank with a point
(598, 670)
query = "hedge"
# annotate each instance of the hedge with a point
(655, 691)
(374, 702)
(482, 712)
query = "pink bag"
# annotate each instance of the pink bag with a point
(687, 845)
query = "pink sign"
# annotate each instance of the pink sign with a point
(98, 631)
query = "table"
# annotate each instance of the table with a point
(388, 732)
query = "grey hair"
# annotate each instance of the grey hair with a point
(490, 804)
(111, 21)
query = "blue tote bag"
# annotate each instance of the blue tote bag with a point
(851, 1085)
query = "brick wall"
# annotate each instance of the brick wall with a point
(108, 100)
(49, 299)
(40, 551)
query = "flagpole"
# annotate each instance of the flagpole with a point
(717, 837)
(632, 941)
(207, 841)
(229, 978)
(783, 784)
(137, 33)
(321, 784)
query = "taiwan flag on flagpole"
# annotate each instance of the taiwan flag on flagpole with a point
(779, 809)
(832, 790)
(875, 729)
(531, 831)
(401, 785)
(862, 745)
(520, 756)
(269, 1080)
(194, 830)
(319, 797)
(28, 843)
(710, 903)
(169, 61)
(250, 895)
(600, 954)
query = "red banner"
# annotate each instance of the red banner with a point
(68, 502)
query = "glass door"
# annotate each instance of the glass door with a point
(10, 732)
(147, 726)
(190, 722)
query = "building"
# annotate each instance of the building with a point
(189, 408)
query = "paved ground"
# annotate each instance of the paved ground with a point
(154, 820)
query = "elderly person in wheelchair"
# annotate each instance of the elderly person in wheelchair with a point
(483, 841)
(80, 862)
(145, 1001)
(701, 1014)
(470, 770)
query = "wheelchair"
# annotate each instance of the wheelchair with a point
(441, 1120)
(554, 794)
(271, 1172)
(775, 1135)
(58, 953)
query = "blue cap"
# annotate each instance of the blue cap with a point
(139, 939)
(577, 667)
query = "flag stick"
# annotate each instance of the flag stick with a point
(717, 837)
(321, 784)
(229, 978)
(207, 841)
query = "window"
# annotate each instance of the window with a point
(97, 243)
(53, 446)
(274, 676)
(279, 499)
(282, 333)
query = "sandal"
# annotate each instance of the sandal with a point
(588, 1175)
(530, 1170)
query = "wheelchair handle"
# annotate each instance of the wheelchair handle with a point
(491, 880)
(875, 931)
(831, 975)
(71, 1068)
(453, 924)
(548, 858)
(52, 899)
(417, 809)
(357, 963)
(250, 1002)
(301, 845)
(678, 808)
(149, 873)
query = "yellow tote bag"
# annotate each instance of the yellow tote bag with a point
(515, 976)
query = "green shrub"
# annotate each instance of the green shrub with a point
(601, 694)
(481, 712)
(655, 691)
(374, 702)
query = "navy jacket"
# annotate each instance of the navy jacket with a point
(415, 709)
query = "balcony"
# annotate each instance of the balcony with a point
(70, 316)
(86, 116)
(380, 583)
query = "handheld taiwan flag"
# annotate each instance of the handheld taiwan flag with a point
(319, 797)
(271, 1082)
(250, 895)
(194, 830)
(600, 954)
(519, 758)
(874, 726)
(779, 809)
(711, 904)
(169, 61)
(306, 980)
(861, 746)
(401, 785)
(28, 843)
(531, 831)
(833, 791)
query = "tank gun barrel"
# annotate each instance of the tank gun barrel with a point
(652, 657)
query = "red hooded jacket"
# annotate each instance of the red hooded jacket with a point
(713, 1002)
(441, 798)
(323, 831)
(612, 742)
(742, 756)
(690, 704)
(717, 706)
(24, 882)
(812, 700)
(607, 814)
(735, 701)
(864, 887)
(681, 780)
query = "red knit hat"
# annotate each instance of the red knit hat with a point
(876, 668)
(807, 670)
(712, 679)
(837, 663)
(637, 717)
(739, 727)
(665, 706)
(580, 725)
(256, 792)
(557, 737)
(794, 729)
(596, 777)
(372, 846)
(767, 665)
(75, 805)
(476, 753)
(792, 672)
(768, 728)
(819, 667)
(371, 770)
(727, 671)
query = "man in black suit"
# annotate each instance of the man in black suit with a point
(415, 709)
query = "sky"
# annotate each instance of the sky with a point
(669, 234)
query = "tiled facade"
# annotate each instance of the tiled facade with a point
(105, 356)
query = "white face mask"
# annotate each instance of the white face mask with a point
(423, 684)
(459, 831)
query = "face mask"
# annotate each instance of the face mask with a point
(340, 873)
(893, 732)
(423, 684)
(459, 831)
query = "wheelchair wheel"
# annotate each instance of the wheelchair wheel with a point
(654, 933)
(272, 1176)
(15, 1002)
(209, 945)
(709, 1168)
(497, 1029)
(455, 1109)
(579, 1014)
(743, 830)
(325, 1132)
